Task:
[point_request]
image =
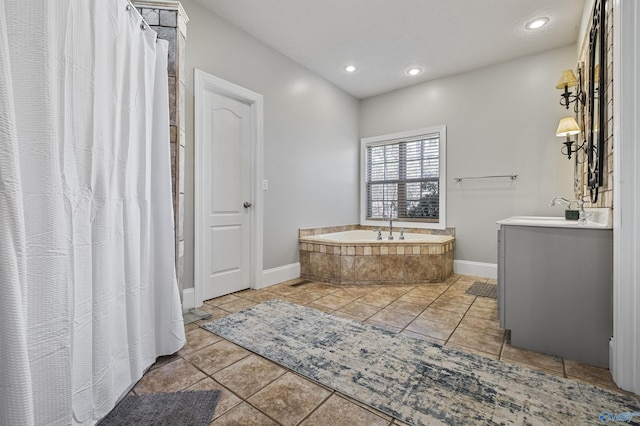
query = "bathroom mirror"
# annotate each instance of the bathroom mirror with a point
(596, 102)
(581, 155)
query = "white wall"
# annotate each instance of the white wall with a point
(585, 25)
(500, 119)
(311, 142)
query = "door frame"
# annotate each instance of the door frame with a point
(206, 82)
(625, 346)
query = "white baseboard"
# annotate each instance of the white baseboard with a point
(279, 274)
(188, 299)
(269, 277)
(476, 269)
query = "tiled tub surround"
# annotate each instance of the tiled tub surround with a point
(354, 256)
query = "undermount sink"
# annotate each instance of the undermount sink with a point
(599, 218)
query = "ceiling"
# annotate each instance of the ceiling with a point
(383, 38)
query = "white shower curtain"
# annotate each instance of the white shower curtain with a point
(88, 296)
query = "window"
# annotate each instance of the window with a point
(403, 176)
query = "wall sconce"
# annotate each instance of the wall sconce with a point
(568, 80)
(568, 127)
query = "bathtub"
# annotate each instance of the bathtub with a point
(357, 257)
(366, 236)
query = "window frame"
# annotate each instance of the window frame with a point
(442, 161)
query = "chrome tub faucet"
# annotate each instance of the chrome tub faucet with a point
(393, 204)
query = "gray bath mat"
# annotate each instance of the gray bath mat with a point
(483, 289)
(191, 408)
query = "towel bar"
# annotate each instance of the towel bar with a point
(512, 176)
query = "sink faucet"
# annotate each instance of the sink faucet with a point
(580, 202)
(560, 200)
(583, 215)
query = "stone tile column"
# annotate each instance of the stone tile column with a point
(169, 20)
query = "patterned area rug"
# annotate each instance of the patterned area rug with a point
(191, 408)
(417, 382)
(479, 288)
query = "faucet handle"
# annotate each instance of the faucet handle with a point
(584, 216)
(379, 231)
(402, 233)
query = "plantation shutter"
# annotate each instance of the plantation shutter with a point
(402, 179)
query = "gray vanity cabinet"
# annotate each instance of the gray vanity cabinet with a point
(555, 290)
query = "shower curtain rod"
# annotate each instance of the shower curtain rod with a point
(144, 25)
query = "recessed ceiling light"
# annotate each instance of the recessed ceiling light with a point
(414, 71)
(350, 68)
(536, 23)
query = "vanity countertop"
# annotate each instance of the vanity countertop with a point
(597, 218)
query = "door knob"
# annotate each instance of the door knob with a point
(247, 204)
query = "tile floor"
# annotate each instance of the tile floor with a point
(256, 391)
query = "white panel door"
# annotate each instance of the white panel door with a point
(226, 171)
